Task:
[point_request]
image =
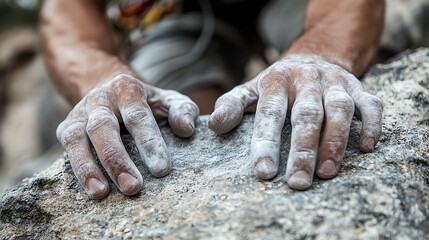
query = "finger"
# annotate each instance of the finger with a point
(269, 120)
(141, 124)
(306, 119)
(370, 108)
(72, 136)
(182, 113)
(103, 131)
(339, 109)
(230, 107)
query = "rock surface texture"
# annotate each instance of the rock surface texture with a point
(213, 194)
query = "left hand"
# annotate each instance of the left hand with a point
(317, 92)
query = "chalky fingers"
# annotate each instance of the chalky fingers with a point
(339, 110)
(103, 131)
(230, 107)
(182, 113)
(306, 118)
(71, 134)
(370, 108)
(140, 122)
(269, 120)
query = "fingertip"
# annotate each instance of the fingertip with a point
(184, 127)
(223, 120)
(161, 169)
(215, 121)
(328, 169)
(265, 169)
(129, 184)
(300, 180)
(367, 145)
(182, 119)
(96, 189)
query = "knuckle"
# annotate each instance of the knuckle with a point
(94, 95)
(304, 154)
(110, 154)
(375, 101)
(368, 99)
(341, 101)
(149, 141)
(307, 112)
(125, 81)
(272, 107)
(60, 130)
(127, 85)
(272, 79)
(336, 140)
(135, 117)
(101, 119)
(188, 107)
(171, 97)
(83, 168)
(172, 94)
(71, 134)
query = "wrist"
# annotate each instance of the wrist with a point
(75, 73)
(352, 53)
(348, 60)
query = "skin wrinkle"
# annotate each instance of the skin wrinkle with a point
(229, 109)
(83, 165)
(134, 116)
(71, 134)
(269, 121)
(312, 87)
(303, 160)
(137, 115)
(324, 55)
(182, 113)
(151, 146)
(103, 130)
(100, 118)
(370, 109)
(314, 81)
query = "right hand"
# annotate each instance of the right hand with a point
(95, 121)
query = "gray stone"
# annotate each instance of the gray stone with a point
(30, 108)
(406, 25)
(213, 194)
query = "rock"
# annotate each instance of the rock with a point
(30, 108)
(213, 194)
(406, 25)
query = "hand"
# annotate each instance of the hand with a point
(95, 120)
(315, 90)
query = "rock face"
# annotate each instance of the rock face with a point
(406, 25)
(213, 194)
(30, 108)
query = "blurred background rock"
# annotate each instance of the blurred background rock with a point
(30, 108)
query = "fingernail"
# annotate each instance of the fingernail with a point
(129, 184)
(368, 145)
(191, 124)
(160, 168)
(299, 180)
(190, 128)
(328, 169)
(265, 169)
(95, 188)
